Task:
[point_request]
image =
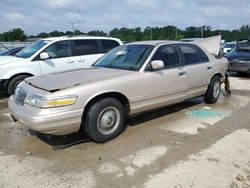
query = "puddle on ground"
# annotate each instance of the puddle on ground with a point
(206, 113)
(195, 119)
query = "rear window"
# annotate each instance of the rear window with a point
(85, 47)
(109, 45)
(190, 54)
(203, 56)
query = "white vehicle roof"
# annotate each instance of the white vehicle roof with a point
(79, 37)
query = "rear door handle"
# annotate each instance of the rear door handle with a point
(209, 68)
(182, 73)
(70, 62)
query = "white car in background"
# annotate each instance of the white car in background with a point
(52, 55)
(228, 46)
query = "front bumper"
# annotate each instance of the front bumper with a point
(61, 122)
(239, 66)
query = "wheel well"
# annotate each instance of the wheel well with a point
(218, 74)
(120, 97)
(8, 81)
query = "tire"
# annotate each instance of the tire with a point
(14, 82)
(104, 120)
(213, 90)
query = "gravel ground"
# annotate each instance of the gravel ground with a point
(191, 144)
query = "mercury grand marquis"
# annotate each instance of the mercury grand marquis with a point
(130, 79)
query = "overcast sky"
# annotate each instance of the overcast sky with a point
(35, 16)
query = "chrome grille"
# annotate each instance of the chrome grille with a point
(20, 96)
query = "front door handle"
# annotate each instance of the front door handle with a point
(182, 73)
(70, 62)
(209, 68)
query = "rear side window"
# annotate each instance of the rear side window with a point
(85, 47)
(109, 45)
(169, 55)
(190, 54)
(201, 53)
(59, 49)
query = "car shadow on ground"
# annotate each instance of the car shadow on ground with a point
(62, 142)
(151, 115)
(3, 95)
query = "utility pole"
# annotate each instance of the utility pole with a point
(73, 28)
(202, 28)
(151, 33)
(175, 37)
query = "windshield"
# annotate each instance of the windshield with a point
(126, 57)
(244, 46)
(4, 52)
(229, 46)
(33, 48)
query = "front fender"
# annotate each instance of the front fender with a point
(7, 74)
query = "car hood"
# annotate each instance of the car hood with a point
(238, 55)
(61, 80)
(9, 59)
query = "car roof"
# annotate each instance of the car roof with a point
(79, 37)
(156, 42)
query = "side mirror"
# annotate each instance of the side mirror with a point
(157, 64)
(228, 51)
(44, 55)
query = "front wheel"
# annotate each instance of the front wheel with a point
(14, 83)
(213, 90)
(104, 120)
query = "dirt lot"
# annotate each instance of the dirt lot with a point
(191, 144)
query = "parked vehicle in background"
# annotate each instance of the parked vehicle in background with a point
(228, 46)
(52, 55)
(11, 52)
(129, 80)
(239, 58)
(190, 39)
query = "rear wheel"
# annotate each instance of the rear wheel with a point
(104, 120)
(14, 82)
(213, 90)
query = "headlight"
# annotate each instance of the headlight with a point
(43, 102)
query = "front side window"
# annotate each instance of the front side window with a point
(109, 45)
(126, 57)
(190, 54)
(59, 49)
(33, 48)
(85, 47)
(169, 55)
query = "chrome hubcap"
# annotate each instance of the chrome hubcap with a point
(108, 120)
(216, 90)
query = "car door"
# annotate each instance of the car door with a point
(59, 57)
(166, 86)
(85, 52)
(197, 67)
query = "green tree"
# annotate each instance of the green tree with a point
(15, 34)
(43, 35)
(97, 33)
